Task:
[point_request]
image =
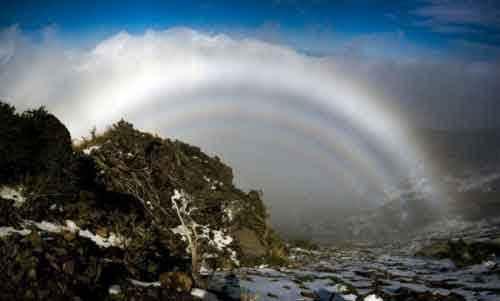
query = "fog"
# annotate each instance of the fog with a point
(315, 133)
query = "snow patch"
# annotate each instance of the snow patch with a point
(229, 213)
(13, 193)
(305, 251)
(220, 241)
(145, 284)
(72, 226)
(185, 202)
(214, 183)
(114, 290)
(47, 226)
(234, 257)
(373, 297)
(340, 288)
(349, 297)
(189, 230)
(112, 240)
(6, 231)
(198, 293)
(90, 149)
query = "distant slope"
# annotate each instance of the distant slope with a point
(468, 165)
(456, 151)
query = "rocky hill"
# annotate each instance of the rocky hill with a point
(123, 215)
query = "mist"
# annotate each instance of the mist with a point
(327, 134)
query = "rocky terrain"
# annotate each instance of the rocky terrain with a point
(124, 215)
(463, 265)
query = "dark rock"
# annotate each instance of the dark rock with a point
(88, 188)
(36, 145)
(164, 166)
(460, 252)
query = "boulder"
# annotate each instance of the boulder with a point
(251, 246)
(125, 157)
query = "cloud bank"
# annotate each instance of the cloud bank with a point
(323, 132)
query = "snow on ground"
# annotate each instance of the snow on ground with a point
(373, 297)
(90, 149)
(114, 289)
(219, 241)
(214, 183)
(198, 293)
(353, 275)
(6, 231)
(270, 284)
(145, 284)
(13, 193)
(113, 240)
(189, 230)
(203, 295)
(229, 213)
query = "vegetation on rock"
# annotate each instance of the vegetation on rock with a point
(117, 213)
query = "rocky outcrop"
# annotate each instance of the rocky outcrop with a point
(107, 218)
(250, 243)
(154, 170)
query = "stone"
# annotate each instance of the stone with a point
(251, 246)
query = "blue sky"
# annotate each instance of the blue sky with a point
(464, 28)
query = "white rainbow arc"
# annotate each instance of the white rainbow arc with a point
(180, 78)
